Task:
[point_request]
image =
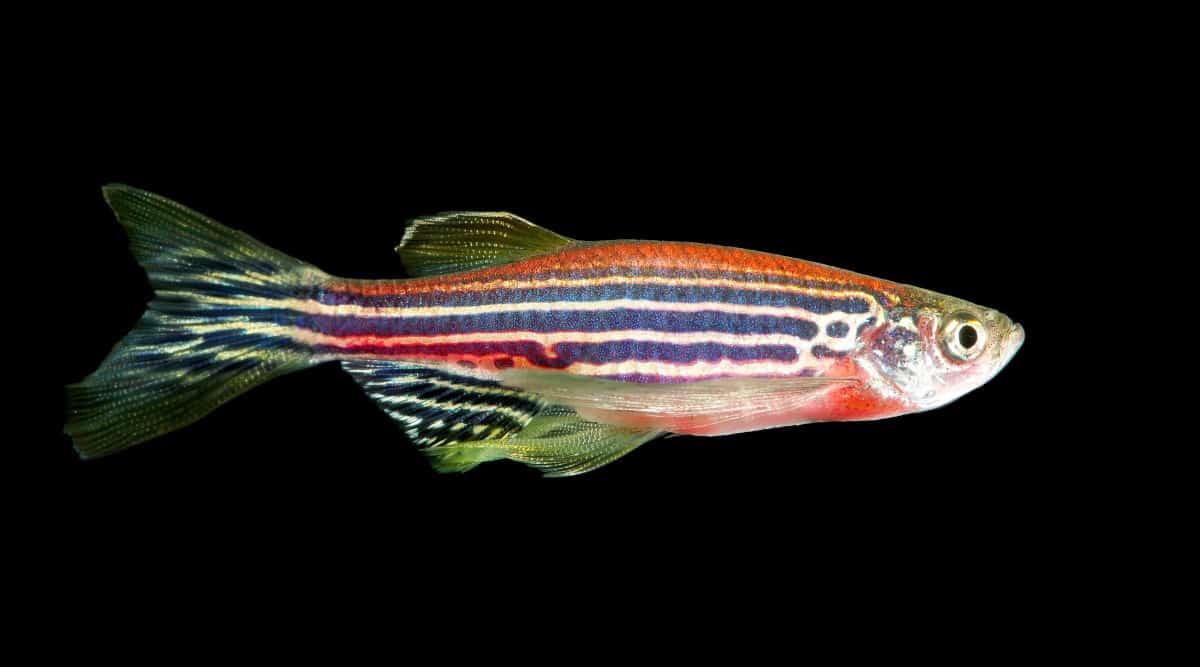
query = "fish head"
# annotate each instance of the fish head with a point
(936, 348)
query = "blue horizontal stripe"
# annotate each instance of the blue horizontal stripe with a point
(553, 320)
(651, 378)
(625, 350)
(566, 354)
(640, 291)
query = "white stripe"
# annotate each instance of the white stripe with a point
(402, 383)
(699, 369)
(400, 399)
(736, 281)
(316, 308)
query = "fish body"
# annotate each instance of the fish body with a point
(510, 341)
(635, 312)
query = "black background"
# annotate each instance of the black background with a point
(945, 166)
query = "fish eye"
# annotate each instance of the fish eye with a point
(967, 336)
(963, 337)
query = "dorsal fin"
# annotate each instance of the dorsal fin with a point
(464, 241)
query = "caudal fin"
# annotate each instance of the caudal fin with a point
(218, 325)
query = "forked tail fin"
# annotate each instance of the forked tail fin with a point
(219, 324)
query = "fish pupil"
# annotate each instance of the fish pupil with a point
(967, 337)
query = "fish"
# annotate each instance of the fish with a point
(508, 341)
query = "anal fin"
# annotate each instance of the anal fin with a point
(437, 406)
(459, 420)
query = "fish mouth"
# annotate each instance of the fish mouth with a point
(1016, 338)
(1002, 356)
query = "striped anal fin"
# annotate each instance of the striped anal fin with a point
(460, 421)
(438, 407)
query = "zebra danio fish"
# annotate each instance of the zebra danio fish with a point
(509, 341)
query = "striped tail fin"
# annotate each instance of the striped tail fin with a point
(214, 329)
